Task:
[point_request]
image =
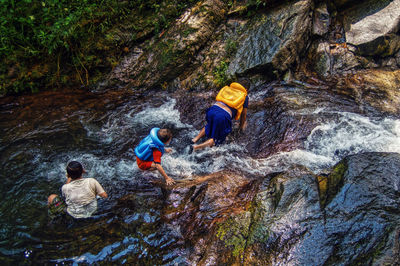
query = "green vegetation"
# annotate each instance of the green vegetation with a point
(52, 43)
(329, 186)
(231, 47)
(220, 74)
(234, 232)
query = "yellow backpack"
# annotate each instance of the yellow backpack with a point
(234, 96)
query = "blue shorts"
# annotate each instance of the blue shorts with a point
(219, 124)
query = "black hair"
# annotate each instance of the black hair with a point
(74, 169)
(245, 82)
(164, 135)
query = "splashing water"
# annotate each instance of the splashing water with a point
(328, 143)
(105, 145)
(347, 133)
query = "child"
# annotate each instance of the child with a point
(79, 193)
(151, 148)
(220, 115)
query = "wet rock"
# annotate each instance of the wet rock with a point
(281, 119)
(287, 225)
(196, 206)
(275, 39)
(372, 27)
(321, 20)
(167, 55)
(193, 106)
(328, 186)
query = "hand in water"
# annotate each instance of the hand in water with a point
(243, 127)
(168, 150)
(170, 181)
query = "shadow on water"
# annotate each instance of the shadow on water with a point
(40, 134)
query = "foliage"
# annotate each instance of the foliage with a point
(231, 47)
(60, 37)
(220, 73)
(257, 3)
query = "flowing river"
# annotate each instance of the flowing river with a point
(40, 135)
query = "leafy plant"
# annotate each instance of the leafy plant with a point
(67, 36)
(220, 73)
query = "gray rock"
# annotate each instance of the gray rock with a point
(276, 39)
(368, 26)
(321, 20)
(360, 224)
(167, 55)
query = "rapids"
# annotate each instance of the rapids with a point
(39, 137)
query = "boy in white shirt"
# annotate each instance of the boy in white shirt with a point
(79, 193)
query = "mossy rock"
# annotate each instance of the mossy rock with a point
(330, 185)
(234, 232)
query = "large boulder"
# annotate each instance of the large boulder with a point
(276, 39)
(373, 89)
(346, 217)
(372, 27)
(292, 221)
(360, 223)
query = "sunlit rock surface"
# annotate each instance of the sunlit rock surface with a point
(366, 23)
(373, 27)
(287, 218)
(276, 38)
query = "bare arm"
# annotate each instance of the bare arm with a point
(243, 117)
(103, 195)
(160, 169)
(99, 189)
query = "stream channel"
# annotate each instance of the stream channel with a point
(40, 134)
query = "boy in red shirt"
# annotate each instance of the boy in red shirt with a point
(151, 148)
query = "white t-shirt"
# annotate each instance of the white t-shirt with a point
(80, 196)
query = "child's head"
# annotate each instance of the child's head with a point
(164, 135)
(74, 170)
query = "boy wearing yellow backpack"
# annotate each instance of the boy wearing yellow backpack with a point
(231, 103)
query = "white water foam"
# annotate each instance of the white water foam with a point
(328, 143)
(346, 133)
